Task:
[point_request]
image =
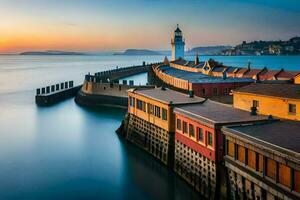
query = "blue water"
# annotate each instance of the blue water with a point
(70, 152)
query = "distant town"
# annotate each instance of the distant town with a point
(290, 47)
(255, 48)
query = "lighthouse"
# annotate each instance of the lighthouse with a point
(177, 43)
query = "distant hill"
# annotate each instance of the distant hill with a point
(50, 52)
(165, 52)
(134, 52)
(208, 50)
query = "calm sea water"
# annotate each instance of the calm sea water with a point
(70, 152)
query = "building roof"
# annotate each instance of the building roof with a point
(232, 69)
(190, 64)
(252, 72)
(179, 62)
(242, 71)
(211, 112)
(196, 77)
(287, 74)
(268, 74)
(219, 68)
(200, 65)
(291, 91)
(168, 96)
(277, 135)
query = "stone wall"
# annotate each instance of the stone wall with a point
(153, 139)
(197, 170)
(111, 94)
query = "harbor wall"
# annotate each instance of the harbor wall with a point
(109, 94)
(52, 94)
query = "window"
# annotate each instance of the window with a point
(131, 101)
(200, 134)
(284, 175)
(209, 139)
(215, 91)
(203, 91)
(178, 123)
(150, 108)
(251, 159)
(185, 127)
(271, 168)
(255, 103)
(297, 180)
(260, 162)
(139, 104)
(191, 130)
(164, 114)
(230, 148)
(241, 154)
(292, 108)
(157, 111)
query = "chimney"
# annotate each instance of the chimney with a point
(166, 61)
(249, 65)
(253, 111)
(196, 60)
(256, 79)
(191, 93)
(224, 75)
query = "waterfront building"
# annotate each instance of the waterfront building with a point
(151, 123)
(280, 100)
(200, 84)
(253, 73)
(269, 75)
(297, 79)
(177, 43)
(286, 75)
(189, 66)
(199, 144)
(214, 68)
(240, 73)
(281, 75)
(263, 160)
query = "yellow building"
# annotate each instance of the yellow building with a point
(279, 100)
(156, 105)
(152, 122)
(263, 160)
(297, 79)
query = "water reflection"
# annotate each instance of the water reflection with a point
(67, 151)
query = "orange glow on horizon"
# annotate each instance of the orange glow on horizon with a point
(16, 41)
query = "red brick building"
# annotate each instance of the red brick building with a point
(199, 143)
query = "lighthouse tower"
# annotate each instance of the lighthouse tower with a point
(177, 43)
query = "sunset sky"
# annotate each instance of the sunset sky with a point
(113, 25)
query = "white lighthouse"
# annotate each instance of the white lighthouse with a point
(177, 43)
